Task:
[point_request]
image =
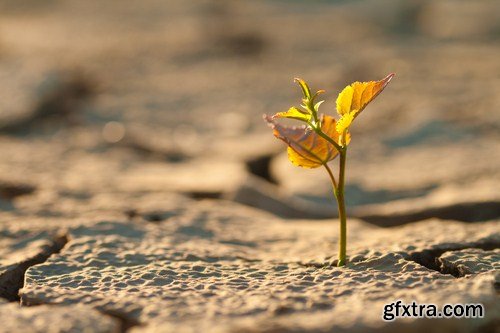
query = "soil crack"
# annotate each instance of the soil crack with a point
(125, 321)
(12, 280)
(464, 212)
(430, 258)
(261, 167)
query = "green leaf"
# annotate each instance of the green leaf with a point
(305, 88)
(294, 113)
(316, 106)
(317, 94)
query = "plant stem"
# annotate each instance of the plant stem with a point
(339, 194)
(338, 190)
(332, 177)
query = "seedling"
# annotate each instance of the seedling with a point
(323, 137)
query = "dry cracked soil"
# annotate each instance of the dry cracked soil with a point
(140, 190)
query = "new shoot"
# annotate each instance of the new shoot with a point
(322, 137)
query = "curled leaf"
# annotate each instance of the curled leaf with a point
(355, 97)
(317, 105)
(319, 92)
(294, 113)
(305, 88)
(306, 148)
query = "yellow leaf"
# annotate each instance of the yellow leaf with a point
(294, 113)
(306, 148)
(355, 97)
(344, 122)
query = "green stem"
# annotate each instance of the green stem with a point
(339, 194)
(332, 177)
(338, 190)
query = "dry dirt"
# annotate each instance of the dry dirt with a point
(141, 191)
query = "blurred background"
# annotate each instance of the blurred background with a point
(128, 97)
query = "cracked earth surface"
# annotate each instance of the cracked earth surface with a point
(141, 192)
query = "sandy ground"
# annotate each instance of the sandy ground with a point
(140, 189)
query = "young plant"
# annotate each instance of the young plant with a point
(323, 138)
